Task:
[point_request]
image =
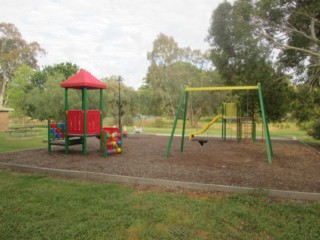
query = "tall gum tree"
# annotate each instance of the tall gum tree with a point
(172, 68)
(293, 28)
(242, 58)
(14, 51)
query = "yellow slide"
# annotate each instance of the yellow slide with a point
(191, 136)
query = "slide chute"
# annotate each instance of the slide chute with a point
(191, 136)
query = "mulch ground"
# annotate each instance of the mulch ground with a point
(295, 167)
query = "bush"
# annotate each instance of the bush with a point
(315, 130)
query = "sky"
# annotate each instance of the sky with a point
(108, 37)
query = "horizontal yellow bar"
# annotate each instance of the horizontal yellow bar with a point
(190, 89)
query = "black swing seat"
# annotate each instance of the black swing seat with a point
(201, 141)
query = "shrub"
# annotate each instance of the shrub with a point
(315, 130)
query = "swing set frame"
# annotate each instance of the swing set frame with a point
(184, 99)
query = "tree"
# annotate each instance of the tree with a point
(164, 53)
(148, 103)
(307, 109)
(50, 99)
(129, 100)
(242, 59)
(14, 51)
(18, 90)
(292, 27)
(45, 85)
(66, 70)
(171, 69)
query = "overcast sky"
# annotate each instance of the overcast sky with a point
(108, 37)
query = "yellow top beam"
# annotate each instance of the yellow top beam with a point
(222, 88)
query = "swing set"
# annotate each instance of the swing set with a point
(228, 112)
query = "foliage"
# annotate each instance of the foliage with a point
(49, 100)
(307, 110)
(242, 59)
(18, 91)
(148, 101)
(14, 51)
(36, 206)
(292, 27)
(66, 70)
(38, 94)
(315, 130)
(128, 101)
(171, 69)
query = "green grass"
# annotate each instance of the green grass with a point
(16, 142)
(40, 207)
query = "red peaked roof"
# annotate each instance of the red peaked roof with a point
(83, 79)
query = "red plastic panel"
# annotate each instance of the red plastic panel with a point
(93, 122)
(75, 122)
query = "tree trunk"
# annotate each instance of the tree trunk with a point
(2, 91)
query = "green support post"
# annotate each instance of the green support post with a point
(269, 138)
(254, 131)
(184, 120)
(49, 135)
(121, 139)
(105, 140)
(66, 108)
(175, 122)
(239, 130)
(84, 109)
(265, 124)
(101, 117)
(239, 125)
(224, 129)
(222, 122)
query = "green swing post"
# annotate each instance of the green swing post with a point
(222, 121)
(239, 124)
(84, 109)
(265, 125)
(66, 107)
(254, 131)
(175, 122)
(184, 120)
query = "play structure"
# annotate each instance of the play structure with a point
(246, 126)
(78, 125)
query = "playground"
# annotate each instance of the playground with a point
(80, 142)
(295, 167)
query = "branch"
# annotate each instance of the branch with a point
(284, 46)
(297, 70)
(286, 26)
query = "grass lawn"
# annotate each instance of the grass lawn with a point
(15, 142)
(41, 207)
